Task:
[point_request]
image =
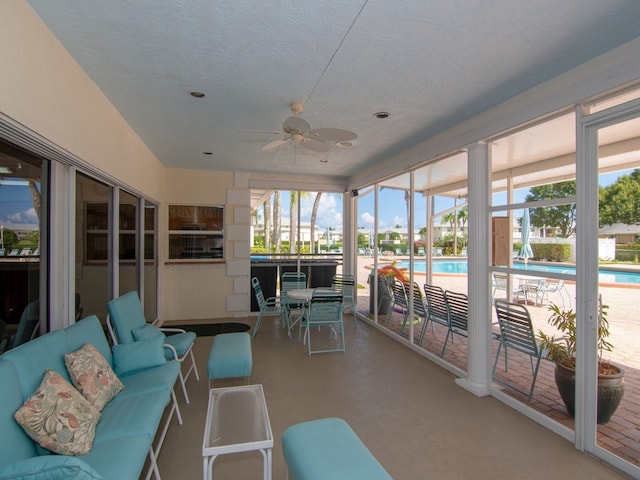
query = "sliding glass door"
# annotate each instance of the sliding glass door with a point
(607, 373)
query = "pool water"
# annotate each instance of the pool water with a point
(605, 275)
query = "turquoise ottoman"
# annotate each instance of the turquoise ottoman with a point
(230, 356)
(329, 448)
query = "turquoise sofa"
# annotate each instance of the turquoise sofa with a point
(128, 424)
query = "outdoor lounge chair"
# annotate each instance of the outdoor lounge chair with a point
(126, 323)
(458, 307)
(399, 299)
(27, 327)
(268, 306)
(347, 285)
(437, 310)
(325, 309)
(516, 331)
(291, 281)
(419, 307)
(552, 285)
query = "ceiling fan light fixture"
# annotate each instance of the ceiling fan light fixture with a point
(382, 115)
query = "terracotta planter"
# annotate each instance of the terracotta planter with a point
(610, 391)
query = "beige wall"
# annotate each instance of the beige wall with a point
(44, 90)
(194, 291)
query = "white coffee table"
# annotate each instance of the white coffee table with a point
(237, 421)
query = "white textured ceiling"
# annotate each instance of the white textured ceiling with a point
(430, 63)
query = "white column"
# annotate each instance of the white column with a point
(349, 236)
(478, 380)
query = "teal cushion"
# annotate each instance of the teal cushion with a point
(49, 467)
(129, 357)
(14, 443)
(146, 332)
(230, 356)
(126, 314)
(181, 342)
(329, 448)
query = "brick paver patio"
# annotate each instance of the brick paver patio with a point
(621, 435)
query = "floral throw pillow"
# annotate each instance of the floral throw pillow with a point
(92, 375)
(58, 417)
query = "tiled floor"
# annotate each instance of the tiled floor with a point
(408, 411)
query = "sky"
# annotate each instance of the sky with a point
(16, 206)
(392, 207)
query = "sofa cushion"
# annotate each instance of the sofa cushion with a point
(31, 358)
(119, 458)
(49, 467)
(88, 330)
(129, 357)
(146, 332)
(157, 379)
(14, 443)
(92, 375)
(138, 415)
(58, 417)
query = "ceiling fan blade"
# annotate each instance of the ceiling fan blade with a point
(332, 134)
(296, 125)
(272, 132)
(275, 144)
(315, 145)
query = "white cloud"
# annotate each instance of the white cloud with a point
(28, 216)
(368, 220)
(397, 220)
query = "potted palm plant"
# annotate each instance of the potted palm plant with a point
(562, 351)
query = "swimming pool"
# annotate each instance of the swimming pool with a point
(605, 275)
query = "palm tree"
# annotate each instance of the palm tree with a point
(267, 223)
(293, 219)
(314, 214)
(452, 219)
(276, 238)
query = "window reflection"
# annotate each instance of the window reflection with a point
(21, 208)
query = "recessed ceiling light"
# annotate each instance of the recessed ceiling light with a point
(197, 94)
(345, 144)
(382, 115)
(207, 153)
(323, 160)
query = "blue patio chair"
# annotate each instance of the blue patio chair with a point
(419, 306)
(552, 285)
(268, 306)
(126, 323)
(516, 331)
(458, 307)
(399, 299)
(325, 309)
(291, 281)
(27, 327)
(347, 285)
(437, 310)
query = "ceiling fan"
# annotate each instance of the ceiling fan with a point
(298, 131)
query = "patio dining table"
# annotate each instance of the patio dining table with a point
(530, 286)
